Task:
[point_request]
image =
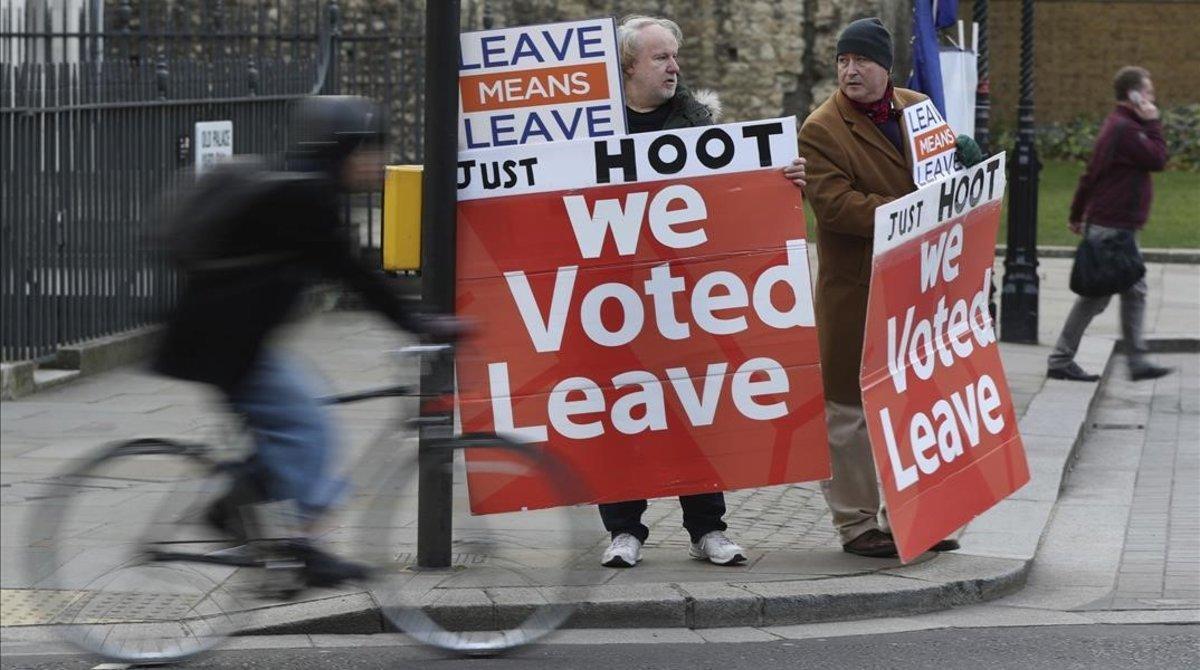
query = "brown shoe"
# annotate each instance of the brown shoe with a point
(873, 544)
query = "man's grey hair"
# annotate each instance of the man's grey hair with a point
(628, 31)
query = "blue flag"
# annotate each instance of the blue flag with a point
(947, 14)
(927, 67)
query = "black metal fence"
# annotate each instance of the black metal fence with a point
(98, 108)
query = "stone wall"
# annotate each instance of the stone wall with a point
(765, 57)
(775, 57)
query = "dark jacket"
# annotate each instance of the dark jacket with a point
(689, 110)
(1115, 190)
(282, 240)
(852, 169)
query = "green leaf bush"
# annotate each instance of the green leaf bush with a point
(1073, 140)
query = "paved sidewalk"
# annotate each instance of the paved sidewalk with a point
(797, 571)
(1160, 559)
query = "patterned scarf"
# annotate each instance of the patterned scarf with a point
(879, 111)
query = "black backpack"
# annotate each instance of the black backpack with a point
(202, 217)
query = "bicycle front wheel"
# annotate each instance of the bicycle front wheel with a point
(105, 522)
(511, 577)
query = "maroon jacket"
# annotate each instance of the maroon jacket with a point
(1115, 191)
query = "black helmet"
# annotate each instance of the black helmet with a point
(328, 128)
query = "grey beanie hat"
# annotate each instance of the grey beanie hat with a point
(867, 37)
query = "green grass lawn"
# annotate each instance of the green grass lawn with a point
(1174, 215)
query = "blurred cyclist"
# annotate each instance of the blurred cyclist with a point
(249, 242)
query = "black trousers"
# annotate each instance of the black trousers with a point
(701, 515)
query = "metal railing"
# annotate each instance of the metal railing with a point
(98, 105)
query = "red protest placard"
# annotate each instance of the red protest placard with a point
(645, 311)
(939, 411)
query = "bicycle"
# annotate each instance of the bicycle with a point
(163, 594)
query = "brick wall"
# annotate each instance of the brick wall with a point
(1080, 44)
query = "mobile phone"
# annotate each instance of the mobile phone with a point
(1136, 97)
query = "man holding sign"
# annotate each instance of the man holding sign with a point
(655, 101)
(647, 312)
(857, 161)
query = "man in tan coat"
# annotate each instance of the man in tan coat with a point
(855, 143)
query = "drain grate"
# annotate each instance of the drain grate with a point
(1118, 426)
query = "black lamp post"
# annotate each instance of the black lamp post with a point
(983, 107)
(1019, 302)
(439, 197)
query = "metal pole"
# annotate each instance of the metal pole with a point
(1019, 304)
(983, 102)
(333, 84)
(983, 107)
(439, 196)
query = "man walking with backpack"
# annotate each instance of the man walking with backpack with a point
(1113, 199)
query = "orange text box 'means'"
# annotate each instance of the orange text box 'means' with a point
(530, 88)
(935, 141)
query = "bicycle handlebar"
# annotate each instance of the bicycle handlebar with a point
(382, 392)
(418, 349)
(390, 391)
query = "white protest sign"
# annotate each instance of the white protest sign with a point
(559, 81)
(931, 143)
(644, 157)
(960, 79)
(214, 143)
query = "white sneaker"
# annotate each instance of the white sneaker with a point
(717, 548)
(624, 552)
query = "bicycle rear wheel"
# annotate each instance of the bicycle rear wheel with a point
(512, 577)
(103, 521)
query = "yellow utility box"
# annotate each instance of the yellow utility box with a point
(401, 238)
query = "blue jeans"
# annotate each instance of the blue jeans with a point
(294, 435)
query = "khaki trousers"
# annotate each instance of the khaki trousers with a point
(853, 493)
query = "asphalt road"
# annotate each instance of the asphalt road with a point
(1096, 647)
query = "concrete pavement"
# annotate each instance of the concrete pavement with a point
(797, 572)
(1064, 647)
